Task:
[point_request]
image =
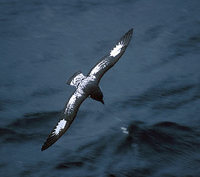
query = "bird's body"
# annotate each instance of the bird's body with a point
(86, 86)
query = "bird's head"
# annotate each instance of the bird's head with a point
(97, 95)
(102, 101)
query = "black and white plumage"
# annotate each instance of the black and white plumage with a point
(87, 86)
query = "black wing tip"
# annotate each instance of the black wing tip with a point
(50, 141)
(127, 37)
(45, 146)
(130, 31)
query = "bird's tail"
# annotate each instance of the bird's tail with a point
(76, 79)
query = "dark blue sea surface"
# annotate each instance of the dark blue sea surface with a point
(150, 123)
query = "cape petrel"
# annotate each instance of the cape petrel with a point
(87, 86)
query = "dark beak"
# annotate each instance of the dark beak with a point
(102, 101)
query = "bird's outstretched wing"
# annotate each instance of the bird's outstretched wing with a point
(67, 117)
(109, 60)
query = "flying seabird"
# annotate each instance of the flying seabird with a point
(86, 86)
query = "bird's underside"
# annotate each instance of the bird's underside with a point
(86, 86)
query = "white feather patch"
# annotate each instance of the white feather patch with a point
(60, 126)
(116, 50)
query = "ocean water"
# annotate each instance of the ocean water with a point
(150, 123)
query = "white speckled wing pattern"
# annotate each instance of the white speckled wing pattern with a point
(71, 105)
(67, 117)
(109, 60)
(101, 65)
